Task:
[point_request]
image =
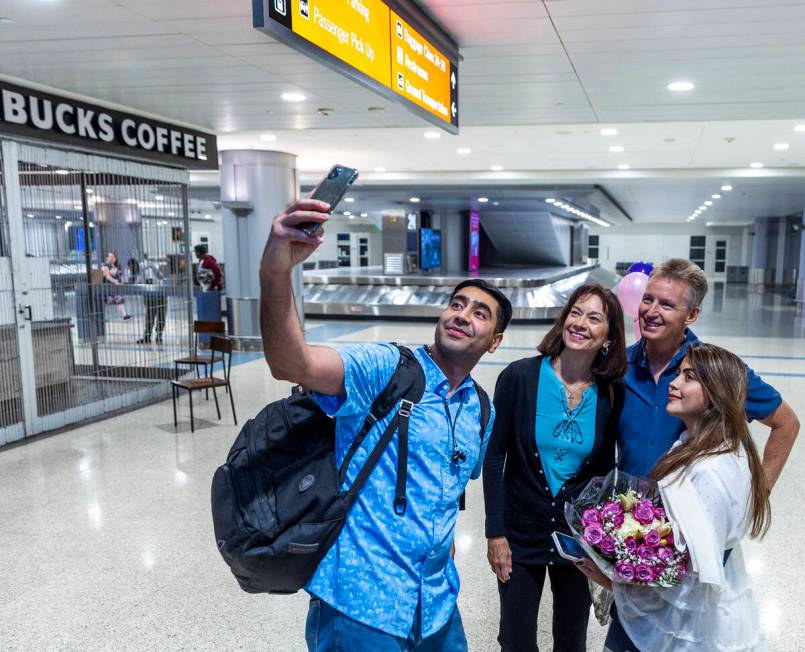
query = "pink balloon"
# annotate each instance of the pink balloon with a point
(630, 292)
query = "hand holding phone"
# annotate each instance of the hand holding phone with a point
(568, 548)
(330, 189)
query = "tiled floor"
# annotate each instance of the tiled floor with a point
(106, 539)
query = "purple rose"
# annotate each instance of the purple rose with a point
(619, 518)
(611, 510)
(659, 513)
(631, 544)
(682, 572)
(652, 538)
(645, 552)
(593, 534)
(607, 546)
(665, 554)
(590, 516)
(625, 570)
(643, 511)
(669, 539)
(644, 573)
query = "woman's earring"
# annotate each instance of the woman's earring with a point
(605, 349)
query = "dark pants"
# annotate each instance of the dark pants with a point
(155, 305)
(617, 638)
(519, 608)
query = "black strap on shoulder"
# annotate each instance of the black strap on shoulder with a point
(407, 385)
(483, 399)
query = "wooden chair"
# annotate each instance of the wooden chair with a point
(196, 359)
(220, 345)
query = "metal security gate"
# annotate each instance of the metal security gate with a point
(95, 296)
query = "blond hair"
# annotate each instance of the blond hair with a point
(680, 269)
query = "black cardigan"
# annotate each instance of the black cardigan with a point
(519, 503)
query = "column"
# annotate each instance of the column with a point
(255, 186)
(757, 263)
(801, 267)
(779, 263)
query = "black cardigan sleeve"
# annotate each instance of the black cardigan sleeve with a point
(495, 461)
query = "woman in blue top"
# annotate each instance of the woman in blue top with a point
(555, 428)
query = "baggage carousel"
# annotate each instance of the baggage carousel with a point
(536, 293)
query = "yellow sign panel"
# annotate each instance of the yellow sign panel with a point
(354, 31)
(419, 72)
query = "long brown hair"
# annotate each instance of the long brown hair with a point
(609, 367)
(722, 426)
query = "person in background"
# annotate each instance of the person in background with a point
(112, 274)
(715, 490)
(132, 272)
(155, 299)
(671, 304)
(208, 273)
(556, 428)
(389, 581)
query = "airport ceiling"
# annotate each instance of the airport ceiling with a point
(539, 80)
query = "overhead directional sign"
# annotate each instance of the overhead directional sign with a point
(387, 45)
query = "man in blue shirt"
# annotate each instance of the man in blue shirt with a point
(671, 303)
(389, 581)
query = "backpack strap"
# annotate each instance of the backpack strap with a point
(406, 386)
(483, 399)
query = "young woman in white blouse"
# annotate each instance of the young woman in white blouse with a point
(715, 491)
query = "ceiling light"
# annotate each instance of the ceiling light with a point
(495, 203)
(90, 191)
(171, 215)
(616, 149)
(269, 138)
(349, 200)
(364, 214)
(347, 213)
(799, 128)
(483, 200)
(208, 216)
(414, 200)
(293, 97)
(58, 217)
(708, 203)
(681, 86)
(609, 131)
(380, 169)
(432, 135)
(702, 207)
(781, 146)
(62, 172)
(30, 215)
(550, 200)
(497, 168)
(350, 216)
(756, 165)
(623, 166)
(5, 20)
(716, 196)
(464, 150)
(726, 188)
(158, 197)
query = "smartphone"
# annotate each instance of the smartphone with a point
(568, 547)
(330, 189)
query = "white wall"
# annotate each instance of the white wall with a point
(655, 242)
(213, 229)
(341, 224)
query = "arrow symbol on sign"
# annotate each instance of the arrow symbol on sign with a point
(453, 109)
(453, 79)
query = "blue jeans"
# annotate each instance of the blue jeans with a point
(328, 630)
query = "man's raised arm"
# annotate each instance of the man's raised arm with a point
(289, 357)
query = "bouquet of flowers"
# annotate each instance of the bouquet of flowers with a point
(620, 522)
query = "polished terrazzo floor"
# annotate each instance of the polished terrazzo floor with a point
(106, 539)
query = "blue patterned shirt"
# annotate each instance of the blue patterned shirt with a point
(382, 564)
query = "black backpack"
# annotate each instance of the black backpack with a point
(277, 503)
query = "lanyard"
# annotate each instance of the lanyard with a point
(458, 455)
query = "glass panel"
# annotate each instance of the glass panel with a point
(720, 267)
(697, 240)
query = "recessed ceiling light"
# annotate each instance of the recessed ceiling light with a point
(495, 203)
(708, 203)
(616, 149)
(349, 200)
(62, 172)
(550, 200)
(414, 200)
(347, 213)
(208, 216)
(799, 128)
(726, 187)
(350, 216)
(623, 166)
(269, 138)
(30, 215)
(293, 97)
(609, 131)
(380, 169)
(364, 214)
(781, 146)
(158, 197)
(5, 20)
(90, 191)
(756, 164)
(171, 215)
(702, 207)
(716, 196)
(681, 86)
(483, 200)
(464, 150)
(432, 135)
(58, 217)
(497, 168)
